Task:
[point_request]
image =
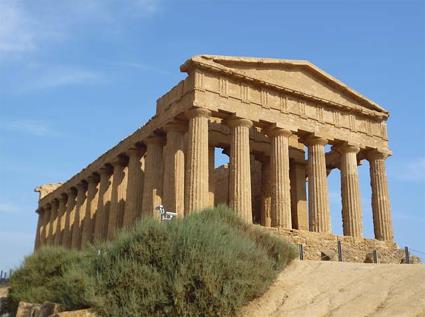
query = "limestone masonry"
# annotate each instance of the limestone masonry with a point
(265, 114)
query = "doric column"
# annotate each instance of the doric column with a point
(69, 217)
(211, 171)
(196, 189)
(80, 209)
(318, 196)
(152, 189)
(103, 203)
(119, 188)
(60, 226)
(240, 169)
(266, 192)
(382, 220)
(350, 192)
(46, 224)
(173, 193)
(91, 205)
(133, 204)
(298, 196)
(281, 190)
(52, 222)
(39, 228)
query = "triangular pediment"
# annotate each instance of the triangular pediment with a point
(296, 75)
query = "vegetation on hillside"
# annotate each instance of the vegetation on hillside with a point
(207, 264)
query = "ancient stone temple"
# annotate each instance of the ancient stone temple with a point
(272, 117)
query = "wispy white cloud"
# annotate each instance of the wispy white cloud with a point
(31, 127)
(16, 28)
(9, 207)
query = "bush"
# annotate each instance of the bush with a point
(207, 264)
(42, 277)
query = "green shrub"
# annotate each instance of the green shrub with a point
(42, 278)
(208, 264)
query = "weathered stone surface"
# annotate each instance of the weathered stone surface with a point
(28, 309)
(76, 313)
(263, 113)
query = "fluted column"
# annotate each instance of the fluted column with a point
(173, 193)
(152, 189)
(119, 188)
(133, 204)
(80, 210)
(211, 171)
(197, 180)
(52, 222)
(318, 196)
(91, 205)
(266, 192)
(46, 224)
(298, 196)
(281, 190)
(240, 169)
(60, 226)
(350, 192)
(69, 217)
(382, 220)
(103, 203)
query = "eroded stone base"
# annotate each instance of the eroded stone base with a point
(353, 249)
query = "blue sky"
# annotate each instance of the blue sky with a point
(78, 76)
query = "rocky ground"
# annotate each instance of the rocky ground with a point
(314, 288)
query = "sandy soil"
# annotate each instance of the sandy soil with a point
(313, 288)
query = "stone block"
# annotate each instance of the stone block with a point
(328, 255)
(28, 309)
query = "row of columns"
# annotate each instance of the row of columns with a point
(176, 173)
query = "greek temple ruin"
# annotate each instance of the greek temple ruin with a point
(273, 117)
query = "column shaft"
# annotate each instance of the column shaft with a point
(60, 226)
(318, 196)
(173, 194)
(152, 189)
(281, 190)
(103, 204)
(240, 169)
(53, 222)
(46, 225)
(133, 204)
(91, 205)
(298, 196)
(350, 192)
(119, 187)
(196, 189)
(39, 228)
(211, 172)
(382, 220)
(80, 210)
(266, 192)
(69, 218)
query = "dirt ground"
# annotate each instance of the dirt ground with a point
(314, 288)
(3, 291)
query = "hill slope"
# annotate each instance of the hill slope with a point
(312, 288)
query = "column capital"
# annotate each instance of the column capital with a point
(177, 126)
(136, 151)
(71, 192)
(94, 178)
(119, 161)
(105, 170)
(314, 140)
(154, 139)
(63, 197)
(347, 148)
(375, 154)
(54, 203)
(82, 186)
(239, 122)
(198, 112)
(275, 131)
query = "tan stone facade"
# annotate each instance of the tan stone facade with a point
(272, 117)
